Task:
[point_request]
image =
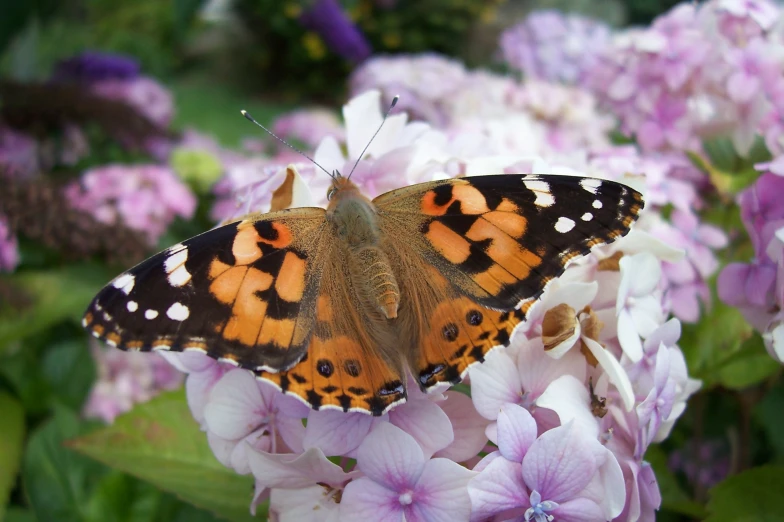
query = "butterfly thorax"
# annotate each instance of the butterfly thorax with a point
(355, 222)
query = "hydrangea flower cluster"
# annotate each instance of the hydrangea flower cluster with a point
(490, 113)
(557, 424)
(125, 380)
(757, 288)
(146, 198)
(697, 72)
(553, 46)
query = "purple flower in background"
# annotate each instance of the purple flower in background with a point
(146, 198)
(554, 46)
(9, 248)
(309, 126)
(93, 66)
(125, 379)
(326, 17)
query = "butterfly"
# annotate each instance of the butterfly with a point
(337, 306)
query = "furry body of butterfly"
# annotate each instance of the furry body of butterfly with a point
(337, 306)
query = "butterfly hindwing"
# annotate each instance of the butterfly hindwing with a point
(240, 292)
(351, 364)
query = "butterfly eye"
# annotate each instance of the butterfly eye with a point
(331, 192)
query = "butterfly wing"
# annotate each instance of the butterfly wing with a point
(352, 364)
(243, 292)
(494, 241)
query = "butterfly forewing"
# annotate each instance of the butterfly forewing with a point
(243, 292)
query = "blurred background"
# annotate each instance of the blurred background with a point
(120, 135)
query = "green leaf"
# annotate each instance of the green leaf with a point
(56, 479)
(750, 365)
(673, 497)
(160, 442)
(19, 515)
(752, 496)
(12, 428)
(69, 369)
(768, 415)
(55, 295)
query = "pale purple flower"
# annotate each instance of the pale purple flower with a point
(401, 484)
(125, 379)
(554, 46)
(146, 198)
(563, 473)
(144, 94)
(240, 411)
(638, 308)
(9, 248)
(309, 126)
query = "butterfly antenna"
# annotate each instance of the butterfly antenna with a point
(286, 143)
(391, 106)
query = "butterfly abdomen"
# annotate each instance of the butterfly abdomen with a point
(372, 273)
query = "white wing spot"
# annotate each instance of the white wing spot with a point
(84, 322)
(125, 283)
(179, 277)
(564, 225)
(159, 347)
(132, 306)
(178, 312)
(151, 314)
(597, 204)
(587, 216)
(591, 184)
(542, 191)
(111, 343)
(175, 266)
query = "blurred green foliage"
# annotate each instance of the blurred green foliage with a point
(281, 43)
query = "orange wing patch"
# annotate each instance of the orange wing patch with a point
(460, 334)
(338, 373)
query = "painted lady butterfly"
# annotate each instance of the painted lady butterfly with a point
(335, 306)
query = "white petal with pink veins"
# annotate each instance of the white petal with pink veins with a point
(569, 398)
(235, 406)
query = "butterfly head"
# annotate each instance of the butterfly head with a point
(340, 189)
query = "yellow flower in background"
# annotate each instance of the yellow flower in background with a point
(314, 45)
(292, 10)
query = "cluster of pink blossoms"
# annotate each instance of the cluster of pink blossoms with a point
(556, 425)
(125, 379)
(145, 198)
(554, 46)
(696, 72)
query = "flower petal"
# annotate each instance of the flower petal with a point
(426, 422)
(559, 464)
(467, 425)
(391, 457)
(615, 372)
(497, 488)
(336, 432)
(441, 495)
(516, 432)
(235, 406)
(494, 383)
(292, 471)
(364, 499)
(569, 398)
(303, 505)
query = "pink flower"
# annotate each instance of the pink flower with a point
(146, 198)
(309, 126)
(399, 482)
(9, 248)
(125, 379)
(144, 94)
(562, 474)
